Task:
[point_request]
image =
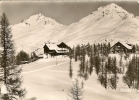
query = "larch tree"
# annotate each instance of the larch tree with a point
(12, 78)
(76, 91)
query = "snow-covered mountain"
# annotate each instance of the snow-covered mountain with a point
(33, 32)
(109, 23)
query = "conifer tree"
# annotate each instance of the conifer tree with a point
(12, 78)
(21, 56)
(91, 63)
(120, 62)
(101, 46)
(97, 64)
(109, 68)
(82, 84)
(82, 59)
(88, 48)
(70, 68)
(137, 48)
(86, 71)
(102, 77)
(137, 71)
(78, 51)
(106, 65)
(75, 53)
(95, 49)
(104, 48)
(107, 48)
(134, 49)
(115, 72)
(76, 91)
(131, 77)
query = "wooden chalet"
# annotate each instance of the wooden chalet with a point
(64, 48)
(54, 49)
(121, 47)
(62, 45)
(50, 49)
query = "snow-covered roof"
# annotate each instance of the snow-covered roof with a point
(53, 47)
(126, 45)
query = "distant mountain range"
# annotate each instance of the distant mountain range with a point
(109, 23)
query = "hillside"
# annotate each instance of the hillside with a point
(109, 23)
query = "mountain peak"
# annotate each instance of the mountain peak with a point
(110, 7)
(39, 18)
(113, 5)
(112, 11)
(40, 14)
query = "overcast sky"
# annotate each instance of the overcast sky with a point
(64, 13)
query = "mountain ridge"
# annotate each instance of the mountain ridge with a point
(109, 23)
(111, 19)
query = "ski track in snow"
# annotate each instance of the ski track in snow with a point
(44, 68)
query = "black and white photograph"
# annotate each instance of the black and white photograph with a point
(69, 50)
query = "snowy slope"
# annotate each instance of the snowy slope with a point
(45, 80)
(109, 23)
